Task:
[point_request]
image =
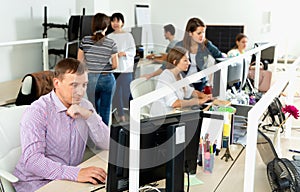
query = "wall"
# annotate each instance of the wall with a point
(22, 20)
(25, 22)
(264, 20)
(127, 9)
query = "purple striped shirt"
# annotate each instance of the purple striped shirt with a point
(53, 143)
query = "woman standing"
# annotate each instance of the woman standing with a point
(123, 74)
(202, 51)
(100, 55)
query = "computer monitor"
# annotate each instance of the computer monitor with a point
(71, 49)
(137, 35)
(223, 36)
(237, 72)
(154, 158)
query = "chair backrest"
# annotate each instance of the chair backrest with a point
(33, 86)
(86, 26)
(141, 86)
(10, 148)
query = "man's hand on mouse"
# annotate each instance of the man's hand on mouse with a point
(90, 174)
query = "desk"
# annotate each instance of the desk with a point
(211, 181)
(146, 66)
(99, 160)
(9, 91)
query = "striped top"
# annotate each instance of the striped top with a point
(53, 143)
(98, 54)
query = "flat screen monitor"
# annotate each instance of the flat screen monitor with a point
(237, 72)
(72, 49)
(153, 148)
(137, 35)
(223, 36)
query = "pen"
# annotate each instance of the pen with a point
(97, 188)
(293, 150)
(214, 148)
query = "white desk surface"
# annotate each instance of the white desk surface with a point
(99, 160)
(210, 180)
(9, 91)
(234, 180)
(146, 66)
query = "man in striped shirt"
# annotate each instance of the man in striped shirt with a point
(55, 129)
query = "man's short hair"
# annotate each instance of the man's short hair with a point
(69, 65)
(169, 28)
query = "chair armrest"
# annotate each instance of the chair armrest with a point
(26, 85)
(8, 176)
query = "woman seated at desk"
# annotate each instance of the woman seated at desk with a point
(177, 62)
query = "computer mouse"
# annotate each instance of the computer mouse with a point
(98, 181)
(196, 107)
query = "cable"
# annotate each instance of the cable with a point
(188, 176)
(188, 185)
(149, 187)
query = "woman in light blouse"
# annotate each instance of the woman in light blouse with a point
(187, 96)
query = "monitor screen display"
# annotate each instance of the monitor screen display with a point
(223, 36)
(153, 144)
(137, 35)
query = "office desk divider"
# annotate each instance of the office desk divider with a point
(146, 99)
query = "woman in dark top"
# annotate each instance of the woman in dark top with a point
(200, 49)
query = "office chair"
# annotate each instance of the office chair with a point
(142, 86)
(10, 148)
(33, 86)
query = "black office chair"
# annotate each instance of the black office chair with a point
(79, 26)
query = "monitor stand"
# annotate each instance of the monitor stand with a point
(175, 167)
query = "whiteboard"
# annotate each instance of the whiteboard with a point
(142, 15)
(143, 19)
